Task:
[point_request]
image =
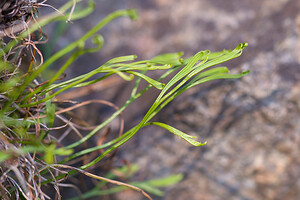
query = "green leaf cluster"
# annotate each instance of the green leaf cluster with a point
(183, 74)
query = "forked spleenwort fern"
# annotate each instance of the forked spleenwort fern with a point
(186, 73)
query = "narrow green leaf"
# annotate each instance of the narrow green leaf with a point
(155, 67)
(115, 71)
(218, 54)
(179, 133)
(121, 59)
(142, 66)
(31, 149)
(170, 58)
(63, 151)
(50, 111)
(166, 181)
(210, 72)
(227, 56)
(219, 76)
(129, 170)
(49, 153)
(156, 84)
(4, 156)
(149, 188)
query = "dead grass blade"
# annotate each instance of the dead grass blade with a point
(104, 179)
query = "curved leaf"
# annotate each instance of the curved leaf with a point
(156, 84)
(179, 133)
(219, 76)
(170, 58)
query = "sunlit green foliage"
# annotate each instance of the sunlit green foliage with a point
(28, 110)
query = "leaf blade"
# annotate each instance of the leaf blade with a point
(179, 133)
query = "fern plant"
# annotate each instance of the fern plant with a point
(28, 148)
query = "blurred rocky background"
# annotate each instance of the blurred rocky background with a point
(252, 125)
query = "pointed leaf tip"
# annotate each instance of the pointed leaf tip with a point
(244, 73)
(179, 133)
